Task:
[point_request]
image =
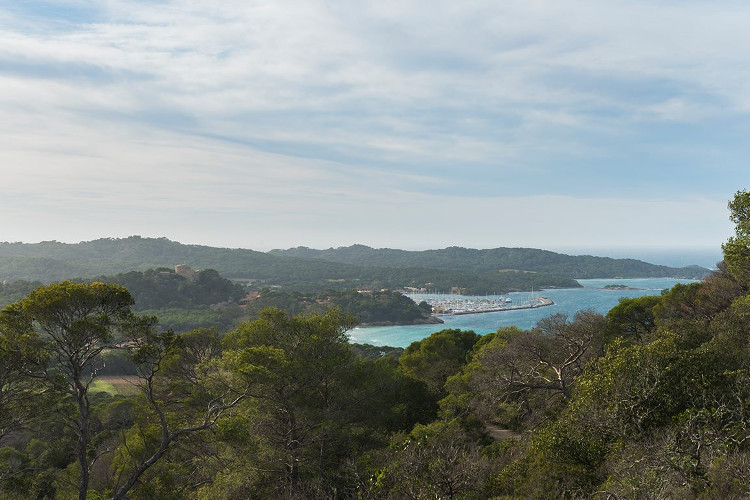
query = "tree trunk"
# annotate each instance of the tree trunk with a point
(293, 464)
(83, 440)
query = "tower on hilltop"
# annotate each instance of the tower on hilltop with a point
(186, 272)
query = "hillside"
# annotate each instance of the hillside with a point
(53, 261)
(495, 259)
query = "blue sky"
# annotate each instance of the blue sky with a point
(594, 126)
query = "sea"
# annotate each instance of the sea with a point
(593, 296)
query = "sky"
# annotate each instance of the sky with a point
(603, 127)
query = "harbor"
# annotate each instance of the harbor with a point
(593, 296)
(455, 305)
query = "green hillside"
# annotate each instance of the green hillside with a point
(495, 259)
(53, 261)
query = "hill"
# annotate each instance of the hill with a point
(497, 259)
(53, 261)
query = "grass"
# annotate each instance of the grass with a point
(122, 385)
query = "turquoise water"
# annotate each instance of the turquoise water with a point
(569, 301)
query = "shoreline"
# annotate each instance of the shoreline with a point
(432, 320)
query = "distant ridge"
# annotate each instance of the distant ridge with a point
(496, 259)
(54, 261)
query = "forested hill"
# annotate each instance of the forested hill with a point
(54, 261)
(495, 259)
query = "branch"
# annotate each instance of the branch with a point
(214, 411)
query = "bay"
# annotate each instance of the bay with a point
(593, 296)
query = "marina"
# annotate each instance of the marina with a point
(454, 305)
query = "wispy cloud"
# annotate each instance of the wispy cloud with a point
(303, 108)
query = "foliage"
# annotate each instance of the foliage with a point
(492, 260)
(633, 317)
(312, 403)
(181, 304)
(379, 307)
(51, 260)
(74, 323)
(737, 248)
(369, 307)
(58, 338)
(15, 291)
(438, 460)
(519, 377)
(435, 358)
(664, 412)
(368, 351)
(186, 319)
(164, 289)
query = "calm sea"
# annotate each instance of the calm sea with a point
(568, 301)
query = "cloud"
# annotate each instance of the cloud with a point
(302, 109)
(208, 192)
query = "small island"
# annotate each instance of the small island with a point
(620, 287)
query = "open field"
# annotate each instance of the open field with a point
(122, 385)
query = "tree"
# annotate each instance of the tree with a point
(299, 370)
(531, 369)
(63, 331)
(737, 248)
(193, 401)
(740, 213)
(666, 417)
(75, 323)
(719, 289)
(438, 460)
(437, 357)
(632, 318)
(313, 407)
(19, 352)
(23, 401)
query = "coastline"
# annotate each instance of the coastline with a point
(567, 301)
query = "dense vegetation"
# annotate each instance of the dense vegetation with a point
(180, 303)
(16, 290)
(496, 259)
(209, 300)
(152, 289)
(369, 308)
(278, 407)
(650, 401)
(474, 271)
(163, 288)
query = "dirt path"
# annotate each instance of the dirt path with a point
(499, 434)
